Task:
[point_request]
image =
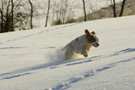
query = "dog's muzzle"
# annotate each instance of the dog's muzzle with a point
(95, 44)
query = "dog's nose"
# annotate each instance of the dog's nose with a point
(97, 44)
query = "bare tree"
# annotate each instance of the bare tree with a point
(31, 14)
(1, 12)
(85, 17)
(47, 13)
(53, 11)
(114, 10)
(12, 16)
(122, 8)
(61, 11)
(1, 23)
(7, 21)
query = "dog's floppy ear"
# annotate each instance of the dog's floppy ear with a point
(93, 33)
(87, 33)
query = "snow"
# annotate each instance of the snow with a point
(31, 59)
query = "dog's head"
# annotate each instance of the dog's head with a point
(92, 38)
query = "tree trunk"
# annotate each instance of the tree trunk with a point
(1, 23)
(12, 16)
(31, 15)
(114, 11)
(47, 13)
(122, 8)
(1, 12)
(85, 17)
(7, 19)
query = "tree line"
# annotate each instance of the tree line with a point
(113, 3)
(16, 15)
(13, 15)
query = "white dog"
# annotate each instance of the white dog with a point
(81, 45)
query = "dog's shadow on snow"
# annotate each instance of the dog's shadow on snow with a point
(53, 65)
(28, 70)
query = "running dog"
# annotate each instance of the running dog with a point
(81, 45)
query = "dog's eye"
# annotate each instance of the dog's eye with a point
(93, 39)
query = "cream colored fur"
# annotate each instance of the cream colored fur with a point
(80, 45)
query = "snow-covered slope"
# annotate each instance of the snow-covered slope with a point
(30, 60)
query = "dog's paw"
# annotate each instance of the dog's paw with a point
(86, 55)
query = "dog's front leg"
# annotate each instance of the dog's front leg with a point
(84, 52)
